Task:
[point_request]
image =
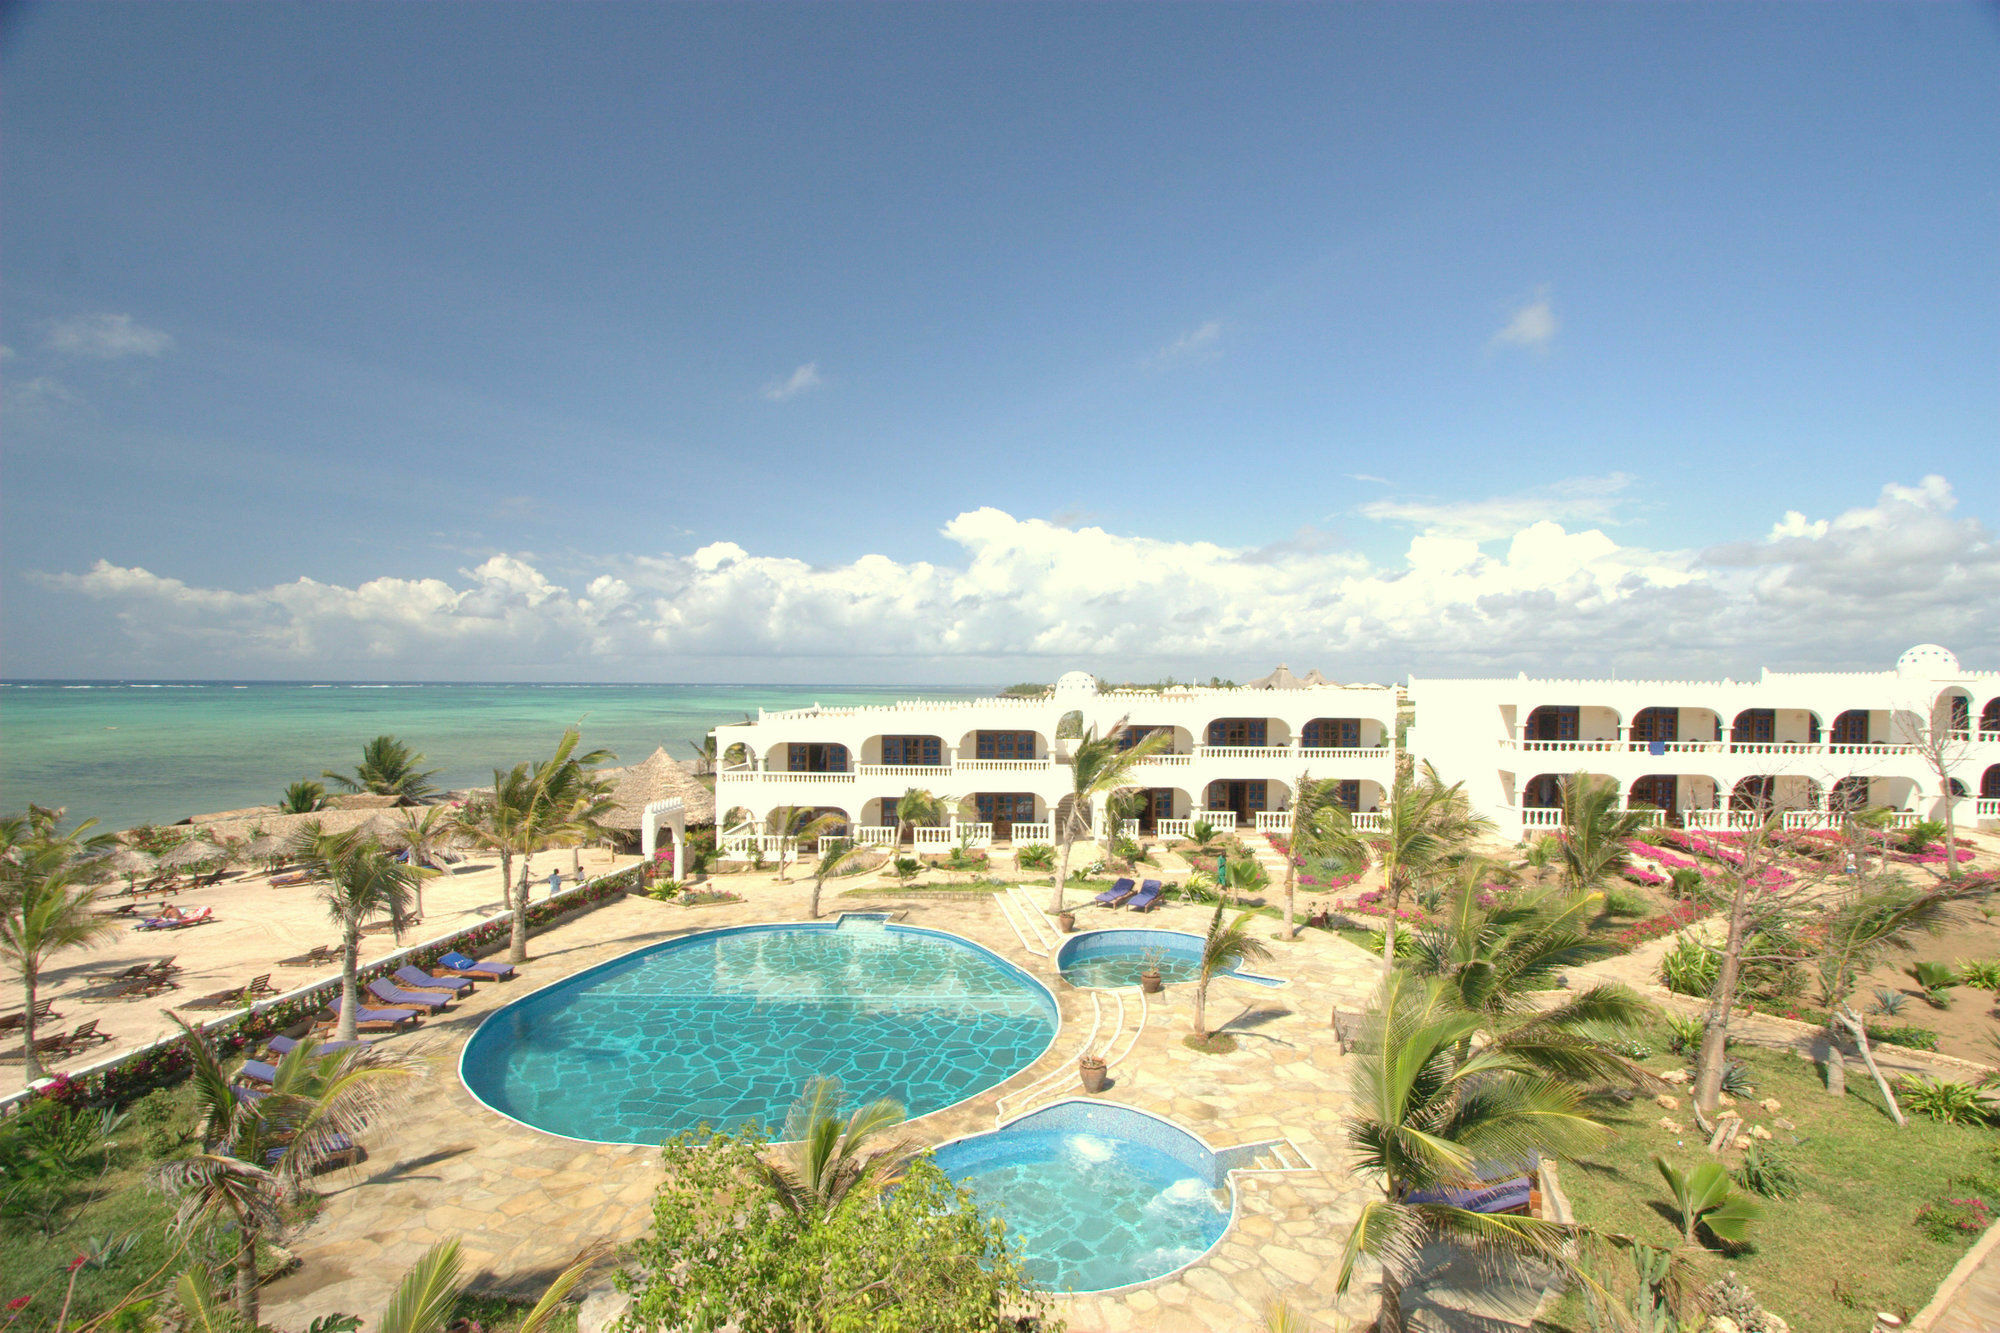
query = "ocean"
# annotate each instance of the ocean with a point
(139, 752)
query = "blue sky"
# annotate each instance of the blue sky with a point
(961, 343)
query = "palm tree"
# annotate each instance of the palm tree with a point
(825, 1162)
(424, 833)
(426, 1298)
(44, 909)
(504, 822)
(356, 880)
(838, 854)
(1313, 838)
(388, 768)
(1591, 847)
(1097, 768)
(1224, 949)
(1426, 828)
(1429, 1111)
(302, 798)
(920, 806)
(1496, 959)
(531, 808)
(797, 826)
(260, 1152)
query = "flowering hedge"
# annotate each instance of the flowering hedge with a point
(1677, 918)
(160, 1066)
(1640, 875)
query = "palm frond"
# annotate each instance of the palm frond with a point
(423, 1300)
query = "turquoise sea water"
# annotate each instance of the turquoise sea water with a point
(727, 1027)
(143, 752)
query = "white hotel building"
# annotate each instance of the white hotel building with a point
(1234, 758)
(1711, 753)
(1707, 754)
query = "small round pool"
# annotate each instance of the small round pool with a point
(1106, 958)
(726, 1026)
(1098, 1196)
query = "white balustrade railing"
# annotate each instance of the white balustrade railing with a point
(874, 835)
(780, 775)
(1274, 821)
(1646, 817)
(1776, 747)
(1811, 819)
(1541, 817)
(902, 770)
(1676, 747)
(1165, 761)
(1347, 753)
(1172, 828)
(1986, 807)
(1023, 834)
(1870, 748)
(1368, 822)
(1005, 765)
(1723, 819)
(1223, 821)
(936, 839)
(1570, 747)
(973, 835)
(1242, 751)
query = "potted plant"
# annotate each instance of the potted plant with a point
(1149, 975)
(1067, 920)
(1092, 1069)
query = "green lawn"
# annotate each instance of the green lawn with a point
(1846, 1246)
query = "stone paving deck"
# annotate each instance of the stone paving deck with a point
(524, 1202)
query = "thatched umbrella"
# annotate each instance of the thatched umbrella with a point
(264, 847)
(126, 863)
(193, 852)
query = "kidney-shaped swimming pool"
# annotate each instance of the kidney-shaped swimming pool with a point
(726, 1027)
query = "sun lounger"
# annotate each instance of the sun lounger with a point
(458, 965)
(82, 1037)
(417, 979)
(132, 973)
(299, 877)
(1119, 891)
(283, 1046)
(198, 917)
(313, 957)
(44, 1012)
(379, 1020)
(139, 987)
(257, 1071)
(1148, 896)
(1505, 1187)
(387, 991)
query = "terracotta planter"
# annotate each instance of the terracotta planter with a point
(1149, 981)
(1067, 920)
(1093, 1073)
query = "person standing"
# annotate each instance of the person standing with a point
(555, 882)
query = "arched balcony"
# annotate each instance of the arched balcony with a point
(1673, 794)
(1246, 737)
(1989, 721)
(994, 751)
(807, 757)
(1571, 727)
(912, 756)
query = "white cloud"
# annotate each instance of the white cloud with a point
(1198, 341)
(107, 337)
(1575, 500)
(1854, 589)
(1533, 326)
(1366, 476)
(806, 377)
(41, 393)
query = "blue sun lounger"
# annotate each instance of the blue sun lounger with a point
(471, 967)
(257, 1071)
(418, 979)
(1506, 1188)
(387, 991)
(1119, 891)
(282, 1046)
(379, 1018)
(1148, 896)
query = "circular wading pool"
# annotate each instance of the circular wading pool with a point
(1107, 958)
(1099, 1196)
(727, 1026)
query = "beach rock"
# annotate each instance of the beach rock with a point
(1674, 1076)
(1771, 1104)
(1759, 1132)
(1671, 1125)
(1729, 1115)
(1773, 1324)
(1783, 1123)
(1724, 1099)
(1666, 1103)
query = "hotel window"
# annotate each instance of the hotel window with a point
(1755, 726)
(1133, 735)
(1331, 733)
(1237, 731)
(925, 750)
(1005, 807)
(1347, 794)
(1657, 724)
(1851, 727)
(806, 758)
(1553, 722)
(1005, 745)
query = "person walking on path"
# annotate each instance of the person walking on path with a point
(555, 882)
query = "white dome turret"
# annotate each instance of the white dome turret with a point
(1075, 683)
(1926, 661)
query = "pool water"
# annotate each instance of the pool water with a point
(1091, 1209)
(727, 1026)
(1108, 958)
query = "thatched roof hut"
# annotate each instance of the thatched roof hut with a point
(1281, 679)
(659, 777)
(366, 800)
(286, 827)
(231, 816)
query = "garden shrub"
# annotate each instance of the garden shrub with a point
(1689, 968)
(1950, 1221)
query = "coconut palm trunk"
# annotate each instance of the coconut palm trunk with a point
(350, 979)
